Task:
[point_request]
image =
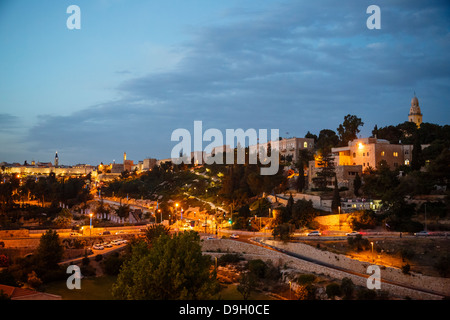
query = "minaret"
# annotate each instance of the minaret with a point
(56, 159)
(414, 112)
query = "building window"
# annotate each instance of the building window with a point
(395, 154)
(406, 152)
(364, 154)
(382, 153)
(407, 162)
(367, 154)
(354, 154)
(395, 164)
(305, 144)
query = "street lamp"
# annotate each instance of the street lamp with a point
(373, 260)
(159, 210)
(339, 217)
(90, 224)
(290, 285)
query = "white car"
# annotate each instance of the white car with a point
(116, 242)
(421, 233)
(107, 245)
(234, 236)
(97, 247)
(353, 233)
(314, 233)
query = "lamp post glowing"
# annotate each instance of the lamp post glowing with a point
(372, 251)
(159, 210)
(90, 224)
(290, 284)
(339, 217)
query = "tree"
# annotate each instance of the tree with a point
(347, 288)
(336, 202)
(282, 232)
(311, 136)
(327, 139)
(349, 129)
(303, 213)
(417, 160)
(33, 281)
(153, 232)
(304, 156)
(123, 211)
(247, 284)
(50, 250)
(327, 172)
(172, 269)
(333, 289)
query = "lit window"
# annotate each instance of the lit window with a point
(395, 154)
(382, 153)
(407, 162)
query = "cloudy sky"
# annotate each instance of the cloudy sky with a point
(138, 70)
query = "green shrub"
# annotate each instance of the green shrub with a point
(304, 279)
(333, 290)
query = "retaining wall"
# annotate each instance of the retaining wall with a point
(420, 281)
(254, 251)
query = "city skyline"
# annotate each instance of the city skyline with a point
(136, 72)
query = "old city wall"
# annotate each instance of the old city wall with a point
(251, 251)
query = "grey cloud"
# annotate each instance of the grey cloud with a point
(300, 67)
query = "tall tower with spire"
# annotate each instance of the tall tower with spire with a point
(414, 112)
(56, 159)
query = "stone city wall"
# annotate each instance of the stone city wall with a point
(4, 234)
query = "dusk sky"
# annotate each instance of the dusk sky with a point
(138, 70)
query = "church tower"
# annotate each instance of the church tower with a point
(56, 159)
(414, 112)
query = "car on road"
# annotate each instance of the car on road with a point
(116, 242)
(107, 245)
(104, 233)
(421, 233)
(353, 233)
(97, 247)
(234, 236)
(120, 232)
(75, 234)
(314, 233)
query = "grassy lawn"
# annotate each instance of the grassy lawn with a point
(92, 288)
